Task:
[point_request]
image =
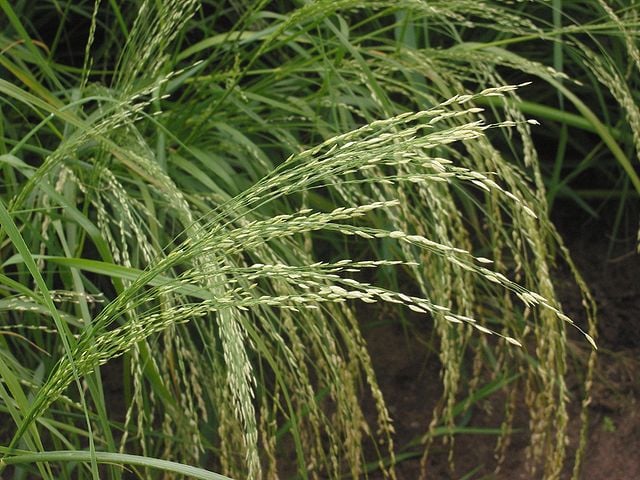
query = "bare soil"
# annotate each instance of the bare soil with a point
(408, 375)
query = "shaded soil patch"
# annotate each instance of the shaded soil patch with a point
(409, 377)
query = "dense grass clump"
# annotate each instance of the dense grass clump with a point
(196, 197)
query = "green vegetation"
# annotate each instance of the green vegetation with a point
(198, 197)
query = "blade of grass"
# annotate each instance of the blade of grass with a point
(111, 458)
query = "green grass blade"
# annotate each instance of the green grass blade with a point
(112, 458)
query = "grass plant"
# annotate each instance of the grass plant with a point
(195, 196)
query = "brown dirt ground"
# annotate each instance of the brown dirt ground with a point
(408, 376)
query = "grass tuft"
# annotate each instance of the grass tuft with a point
(196, 196)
